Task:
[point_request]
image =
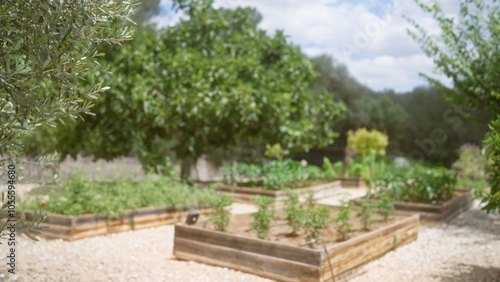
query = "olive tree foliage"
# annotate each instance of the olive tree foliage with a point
(468, 52)
(45, 47)
(213, 80)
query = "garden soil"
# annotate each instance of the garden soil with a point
(464, 250)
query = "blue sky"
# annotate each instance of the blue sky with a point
(369, 36)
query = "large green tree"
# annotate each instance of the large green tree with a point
(213, 80)
(468, 52)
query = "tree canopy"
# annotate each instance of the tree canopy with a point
(467, 52)
(213, 80)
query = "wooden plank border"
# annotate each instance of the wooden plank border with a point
(246, 194)
(75, 227)
(289, 263)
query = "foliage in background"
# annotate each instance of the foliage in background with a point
(275, 152)
(213, 80)
(367, 142)
(492, 149)
(220, 215)
(331, 171)
(261, 223)
(417, 183)
(80, 195)
(471, 163)
(273, 175)
(467, 53)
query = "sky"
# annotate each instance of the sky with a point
(368, 36)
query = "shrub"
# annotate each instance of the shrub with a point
(471, 163)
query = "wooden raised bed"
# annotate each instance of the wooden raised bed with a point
(75, 227)
(353, 182)
(284, 262)
(246, 194)
(445, 212)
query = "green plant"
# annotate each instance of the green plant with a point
(239, 172)
(331, 171)
(471, 163)
(220, 216)
(366, 142)
(262, 218)
(477, 187)
(294, 213)
(366, 214)
(287, 173)
(356, 170)
(80, 195)
(418, 183)
(275, 152)
(343, 221)
(316, 219)
(385, 206)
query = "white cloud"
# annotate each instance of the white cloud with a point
(369, 36)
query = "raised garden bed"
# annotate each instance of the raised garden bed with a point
(247, 194)
(75, 227)
(287, 261)
(445, 211)
(353, 182)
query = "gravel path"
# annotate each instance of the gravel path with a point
(466, 250)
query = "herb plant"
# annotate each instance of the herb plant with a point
(220, 216)
(343, 221)
(331, 171)
(294, 213)
(366, 214)
(316, 219)
(385, 206)
(262, 218)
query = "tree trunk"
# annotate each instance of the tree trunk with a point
(186, 164)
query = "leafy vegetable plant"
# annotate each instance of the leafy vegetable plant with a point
(316, 219)
(80, 195)
(220, 216)
(294, 213)
(343, 221)
(366, 214)
(262, 218)
(385, 206)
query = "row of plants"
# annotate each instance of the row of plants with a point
(415, 183)
(80, 195)
(369, 146)
(306, 218)
(272, 175)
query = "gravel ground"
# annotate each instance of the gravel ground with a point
(465, 250)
